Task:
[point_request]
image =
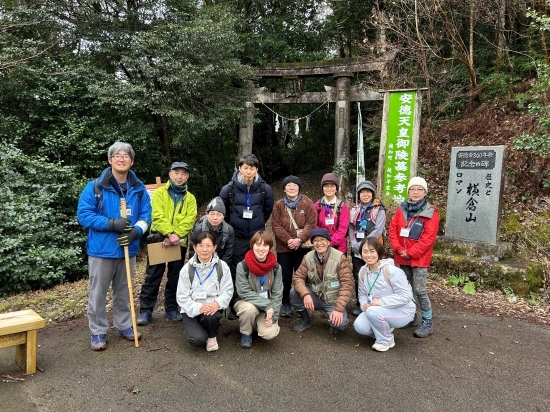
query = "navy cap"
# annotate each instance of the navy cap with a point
(319, 231)
(177, 165)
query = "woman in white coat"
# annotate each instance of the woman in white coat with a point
(204, 291)
(385, 296)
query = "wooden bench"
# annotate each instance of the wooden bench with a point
(19, 329)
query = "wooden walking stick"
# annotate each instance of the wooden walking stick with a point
(129, 278)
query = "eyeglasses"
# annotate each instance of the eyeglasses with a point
(320, 240)
(121, 157)
(416, 189)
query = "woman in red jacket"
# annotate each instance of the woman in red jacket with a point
(413, 232)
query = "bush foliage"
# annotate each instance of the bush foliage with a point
(41, 243)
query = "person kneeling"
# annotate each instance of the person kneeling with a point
(204, 291)
(259, 283)
(387, 300)
(324, 281)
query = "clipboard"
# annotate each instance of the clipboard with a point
(159, 254)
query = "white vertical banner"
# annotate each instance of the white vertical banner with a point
(360, 176)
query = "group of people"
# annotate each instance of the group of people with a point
(231, 266)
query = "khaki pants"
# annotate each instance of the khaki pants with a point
(248, 315)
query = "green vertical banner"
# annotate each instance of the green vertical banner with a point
(399, 143)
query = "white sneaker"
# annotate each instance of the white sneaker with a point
(211, 345)
(381, 347)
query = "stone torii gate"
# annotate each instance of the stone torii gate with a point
(343, 94)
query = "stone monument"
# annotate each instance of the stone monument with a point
(474, 200)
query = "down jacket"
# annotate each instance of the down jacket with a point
(420, 250)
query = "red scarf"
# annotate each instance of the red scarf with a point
(257, 267)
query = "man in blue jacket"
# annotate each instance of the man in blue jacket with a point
(249, 202)
(108, 233)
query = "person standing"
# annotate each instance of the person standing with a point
(292, 221)
(322, 282)
(174, 213)
(213, 222)
(412, 233)
(108, 233)
(333, 213)
(260, 290)
(249, 202)
(367, 219)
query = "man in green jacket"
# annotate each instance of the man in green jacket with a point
(174, 213)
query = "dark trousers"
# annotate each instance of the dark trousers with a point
(289, 261)
(357, 265)
(202, 327)
(153, 278)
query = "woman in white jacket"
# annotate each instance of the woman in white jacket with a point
(385, 296)
(204, 291)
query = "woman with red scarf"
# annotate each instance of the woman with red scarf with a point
(259, 283)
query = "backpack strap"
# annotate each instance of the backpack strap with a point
(230, 194)
(98, 193)
(338, 210)
(385, 273)
(191, 272)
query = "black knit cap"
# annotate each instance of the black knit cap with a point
(292, 179)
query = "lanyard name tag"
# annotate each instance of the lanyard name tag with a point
(200, 293)
(263, 294)
(335, 284)
(247, 214)
(329, 220)
(128, 211)
(369, 299)
(360, 235)
(404, 232)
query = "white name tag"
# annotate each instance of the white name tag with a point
(200, 293)
(335, 284)
(263, 294)
(128, 211)
(247, 214)
(404, 232)
(329, 220)
(360, 235)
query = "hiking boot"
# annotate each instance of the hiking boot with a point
(426, 328)
(144, 317)
(286, 312)
(98, 342)
(332, 329)
(231, 315)
(380, 347)
(128, 333)
(356, 312)
(246, 341)
(305, 323)
(173, 315)
(413, 322)
(212, 344)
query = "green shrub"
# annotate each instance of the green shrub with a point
(41, 243)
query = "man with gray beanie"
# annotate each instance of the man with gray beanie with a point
(174, 213)
(213, 222)
(108, 233)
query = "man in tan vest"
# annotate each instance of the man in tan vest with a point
(324, 281)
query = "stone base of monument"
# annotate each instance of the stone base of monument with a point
(489, 266)
(485, 251)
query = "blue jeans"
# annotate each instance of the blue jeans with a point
(318, 304)
(377, 321)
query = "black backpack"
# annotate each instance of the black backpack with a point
(191, 271)
(98, 192)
